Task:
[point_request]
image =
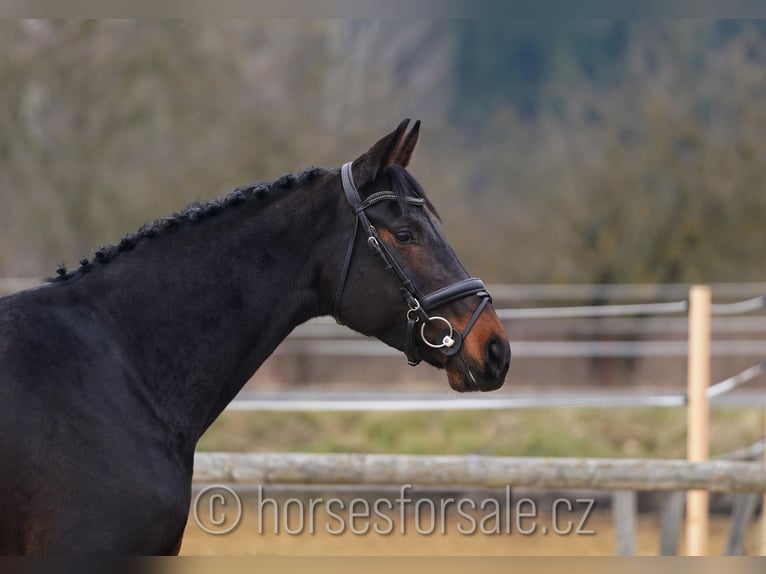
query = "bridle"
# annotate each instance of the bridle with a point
(420, 305)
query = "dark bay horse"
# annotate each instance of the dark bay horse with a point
(110, 373)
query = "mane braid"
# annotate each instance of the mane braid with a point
(260, 194)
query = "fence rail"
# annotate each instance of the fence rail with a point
(672, 308)
(616, 291)
(293, 401)
(539, 349)
(476, 470)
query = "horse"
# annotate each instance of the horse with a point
(111, 372)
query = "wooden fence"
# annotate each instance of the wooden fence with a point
(476, 470)
(697, 475)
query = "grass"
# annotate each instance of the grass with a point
(655, 433)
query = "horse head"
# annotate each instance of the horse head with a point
(399, 279)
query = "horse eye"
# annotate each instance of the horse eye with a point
(404, 236)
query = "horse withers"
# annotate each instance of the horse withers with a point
(111, 372)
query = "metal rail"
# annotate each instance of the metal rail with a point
(384, 402)
(672, 308)
(546, 349)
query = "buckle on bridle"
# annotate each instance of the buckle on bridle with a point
(413, 308)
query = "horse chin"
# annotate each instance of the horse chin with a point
(465, 377)
(461, 377)
(458, 383)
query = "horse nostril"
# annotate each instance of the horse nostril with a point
(498, 352)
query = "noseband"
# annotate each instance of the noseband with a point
(420, 305)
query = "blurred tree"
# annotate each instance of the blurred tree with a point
(583, 151)
(106, 124)
(511, 62)
(653, 178)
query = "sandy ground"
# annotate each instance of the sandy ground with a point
(599, 539)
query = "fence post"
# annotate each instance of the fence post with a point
(698, 416)
(624, 503)
(671, 517)
(763, 502)
(742, 513)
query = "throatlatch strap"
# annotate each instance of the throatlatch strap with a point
(344, 274)
(410, 342)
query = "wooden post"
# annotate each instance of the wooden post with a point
(698, 415)
(763, 502)
(742, 513)
(624, 503)
(671, 517)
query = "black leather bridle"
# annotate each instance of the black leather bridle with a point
(420, 305)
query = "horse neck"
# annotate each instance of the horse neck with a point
(199, 310)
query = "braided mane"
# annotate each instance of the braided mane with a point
(259, 193)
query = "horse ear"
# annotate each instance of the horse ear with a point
(408, 146)
(368, 166)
